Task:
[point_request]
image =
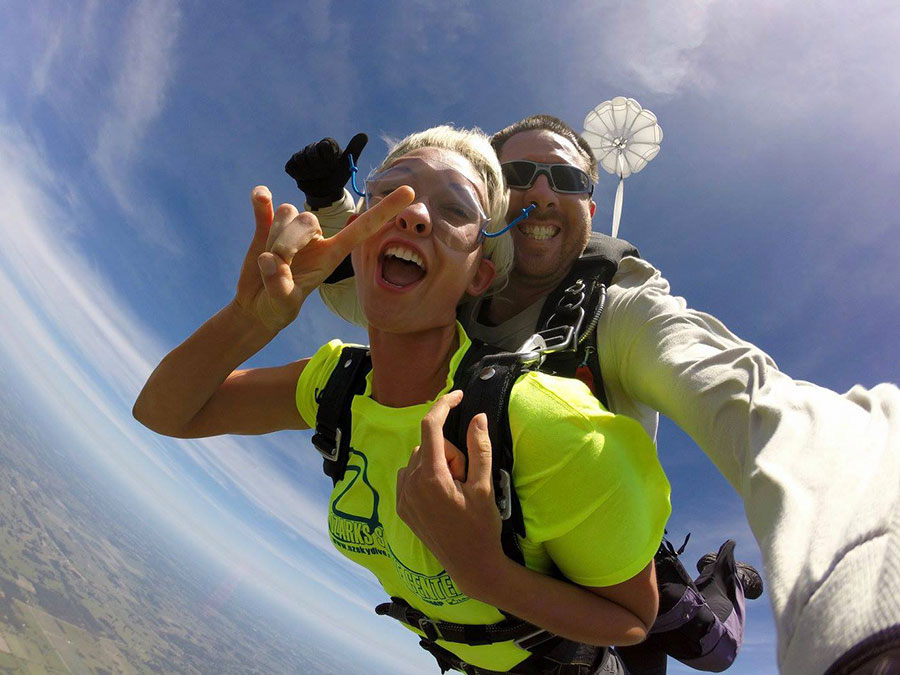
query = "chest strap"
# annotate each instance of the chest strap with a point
(525, 635)
(333, 419)
(487, 381)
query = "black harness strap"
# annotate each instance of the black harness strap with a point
(525, 635)
(333, 418)
(578, 310)
(487, 384)
(341, 272)
(556, 656)
(578, 301)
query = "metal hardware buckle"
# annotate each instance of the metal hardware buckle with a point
(504, 501)
(549, 341)
(430, 628)
(525, 642)
(329, 453)
(562, 338)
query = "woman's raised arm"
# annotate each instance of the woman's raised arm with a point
(196, 390)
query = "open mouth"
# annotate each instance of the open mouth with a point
(539, 231)
(401, 266)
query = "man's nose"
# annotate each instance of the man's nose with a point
(541, 193)
(415, 219)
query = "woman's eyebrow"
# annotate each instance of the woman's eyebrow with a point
(399, 168)
(464, 187)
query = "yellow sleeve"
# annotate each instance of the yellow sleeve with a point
(313, 378)
(590, 484)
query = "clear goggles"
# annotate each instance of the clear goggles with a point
(563, 178)
(457, 217)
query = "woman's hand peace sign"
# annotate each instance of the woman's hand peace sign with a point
(289, 257)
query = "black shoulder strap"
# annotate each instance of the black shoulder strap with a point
(341, 272)
(599, 261)
(578, 301)
(602, 249)
(486, 377)
(332, 437)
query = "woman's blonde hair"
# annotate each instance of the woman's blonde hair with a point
(475, 146)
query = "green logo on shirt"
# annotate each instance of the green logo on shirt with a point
(436, 589)
(352, 532)
(355, 528)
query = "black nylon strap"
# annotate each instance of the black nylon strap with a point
(600, 260)
(452, 425)
(482, 634)
(589, 301)
(556, 656)
(333, 423)
(486, 377)
(597, 265)
(341, 272)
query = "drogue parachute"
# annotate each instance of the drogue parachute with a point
(624, 138)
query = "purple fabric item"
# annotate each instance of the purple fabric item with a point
(683, 611)
(721, 645)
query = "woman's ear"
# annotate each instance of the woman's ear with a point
(483, 278)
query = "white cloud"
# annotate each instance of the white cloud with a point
(778, 63)
(653, 43)
(66, 48)
(146, 53)
(40, 76)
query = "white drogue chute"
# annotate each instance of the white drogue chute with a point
(624, 138)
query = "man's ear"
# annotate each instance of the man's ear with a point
(593, 207)
(483, 278)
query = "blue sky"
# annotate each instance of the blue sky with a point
(132, 133)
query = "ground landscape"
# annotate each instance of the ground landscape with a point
(89, 585)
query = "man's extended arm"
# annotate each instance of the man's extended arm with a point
(321, 170)
(340, 295)
(817, 471)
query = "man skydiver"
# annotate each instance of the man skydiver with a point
(831, 548)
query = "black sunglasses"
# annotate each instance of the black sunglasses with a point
(563, 178)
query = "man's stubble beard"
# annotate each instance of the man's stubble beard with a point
(532, 272)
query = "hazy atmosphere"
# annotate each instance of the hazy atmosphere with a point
(131, 135)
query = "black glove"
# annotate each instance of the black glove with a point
(321, 169)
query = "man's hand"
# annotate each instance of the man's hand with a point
(288, 257)
(321, 169)
(454, 515)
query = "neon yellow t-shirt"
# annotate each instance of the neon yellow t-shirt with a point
(593, 495)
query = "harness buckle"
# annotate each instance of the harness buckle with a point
(550, 341)
(531, 640)
(325, 446)
(504, 499)
(430, 628)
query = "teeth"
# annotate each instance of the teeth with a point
(539, 232)
(404, 254)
